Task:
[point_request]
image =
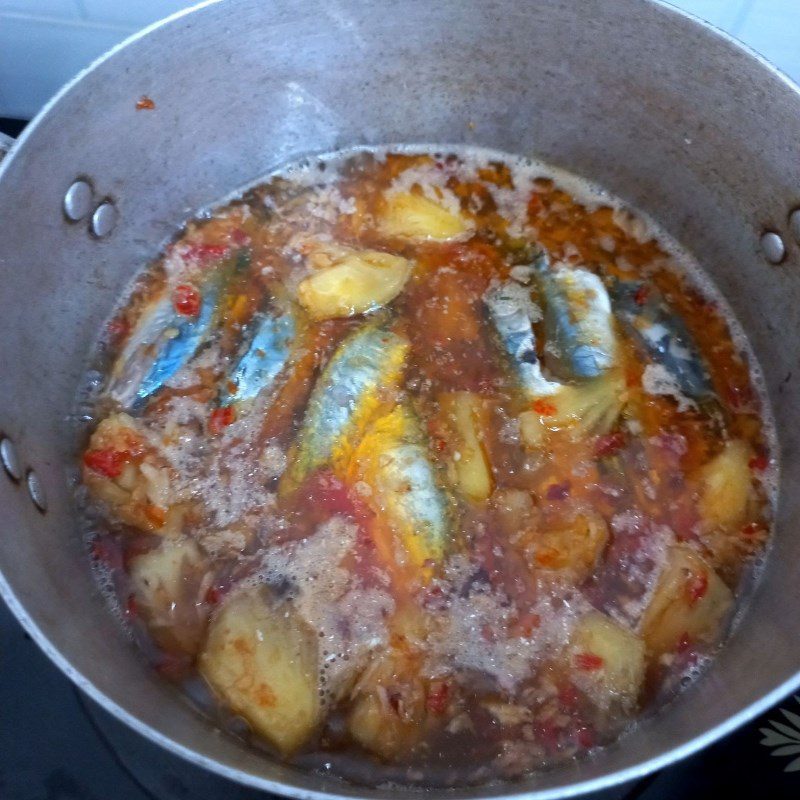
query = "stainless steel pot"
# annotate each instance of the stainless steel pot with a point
(674, 117)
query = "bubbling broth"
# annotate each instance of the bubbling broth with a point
(435, 468)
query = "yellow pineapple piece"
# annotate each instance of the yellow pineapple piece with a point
(575, 546)
(414, 216)
(589, 408)
(690, 600)
(353, 282)
(466, 416)
(726, 488)
(262, 661)
(607, 658)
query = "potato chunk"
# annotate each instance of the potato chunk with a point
(262, 660)
(353, 282)
(465, 416)
(124, 471)
(607, 658)
(414, 216)
(690, 600)
(726, 488)
(166, 581)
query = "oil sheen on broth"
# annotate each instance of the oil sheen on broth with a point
(419, 467)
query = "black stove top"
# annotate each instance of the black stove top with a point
(56, 744)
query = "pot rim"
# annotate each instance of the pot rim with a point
(241, 777)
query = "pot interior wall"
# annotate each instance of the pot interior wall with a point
(673, 118)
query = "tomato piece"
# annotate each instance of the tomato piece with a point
(106, 552)
(585, 736)
(131, 607)
(438, 697)
(642, 293)
(107, 461)
(568, 698)
(186, 300)
(213, 595)
(118, 329)
(609, 443)
(535, 204)
(753, 529)
(697, 587)
(220, 418)
(558, 491)
(544, 408)
(155, 514)
(759, 463)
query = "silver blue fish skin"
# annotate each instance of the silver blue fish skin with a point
(512, 313)
(367, 360)
(643, 310)
(262, 359)
(161, 344)
(578, 322)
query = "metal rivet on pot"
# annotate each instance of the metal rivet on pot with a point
(78, 201)
(36, 491)
(773, 247)
(8, 457)
(104, 219)
(794, 224)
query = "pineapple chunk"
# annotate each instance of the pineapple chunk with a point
(473, 472)
(388, 716)
(414, 216)
(690, 600)
(262, 660)
(586, 408)
(726, 488)
(608, 658)
(575, 546)
(354, 281)
(158, 576)
(166, 582)
(394, 704)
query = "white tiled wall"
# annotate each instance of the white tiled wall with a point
(45, 42)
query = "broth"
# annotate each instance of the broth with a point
(427, 467)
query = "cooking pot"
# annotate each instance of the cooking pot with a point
(672, 116)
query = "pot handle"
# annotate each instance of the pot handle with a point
(5, 144)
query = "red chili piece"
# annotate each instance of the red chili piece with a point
(186, 300)
(759, 463)
(108, 462)
(642, 293)
(588, 662)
